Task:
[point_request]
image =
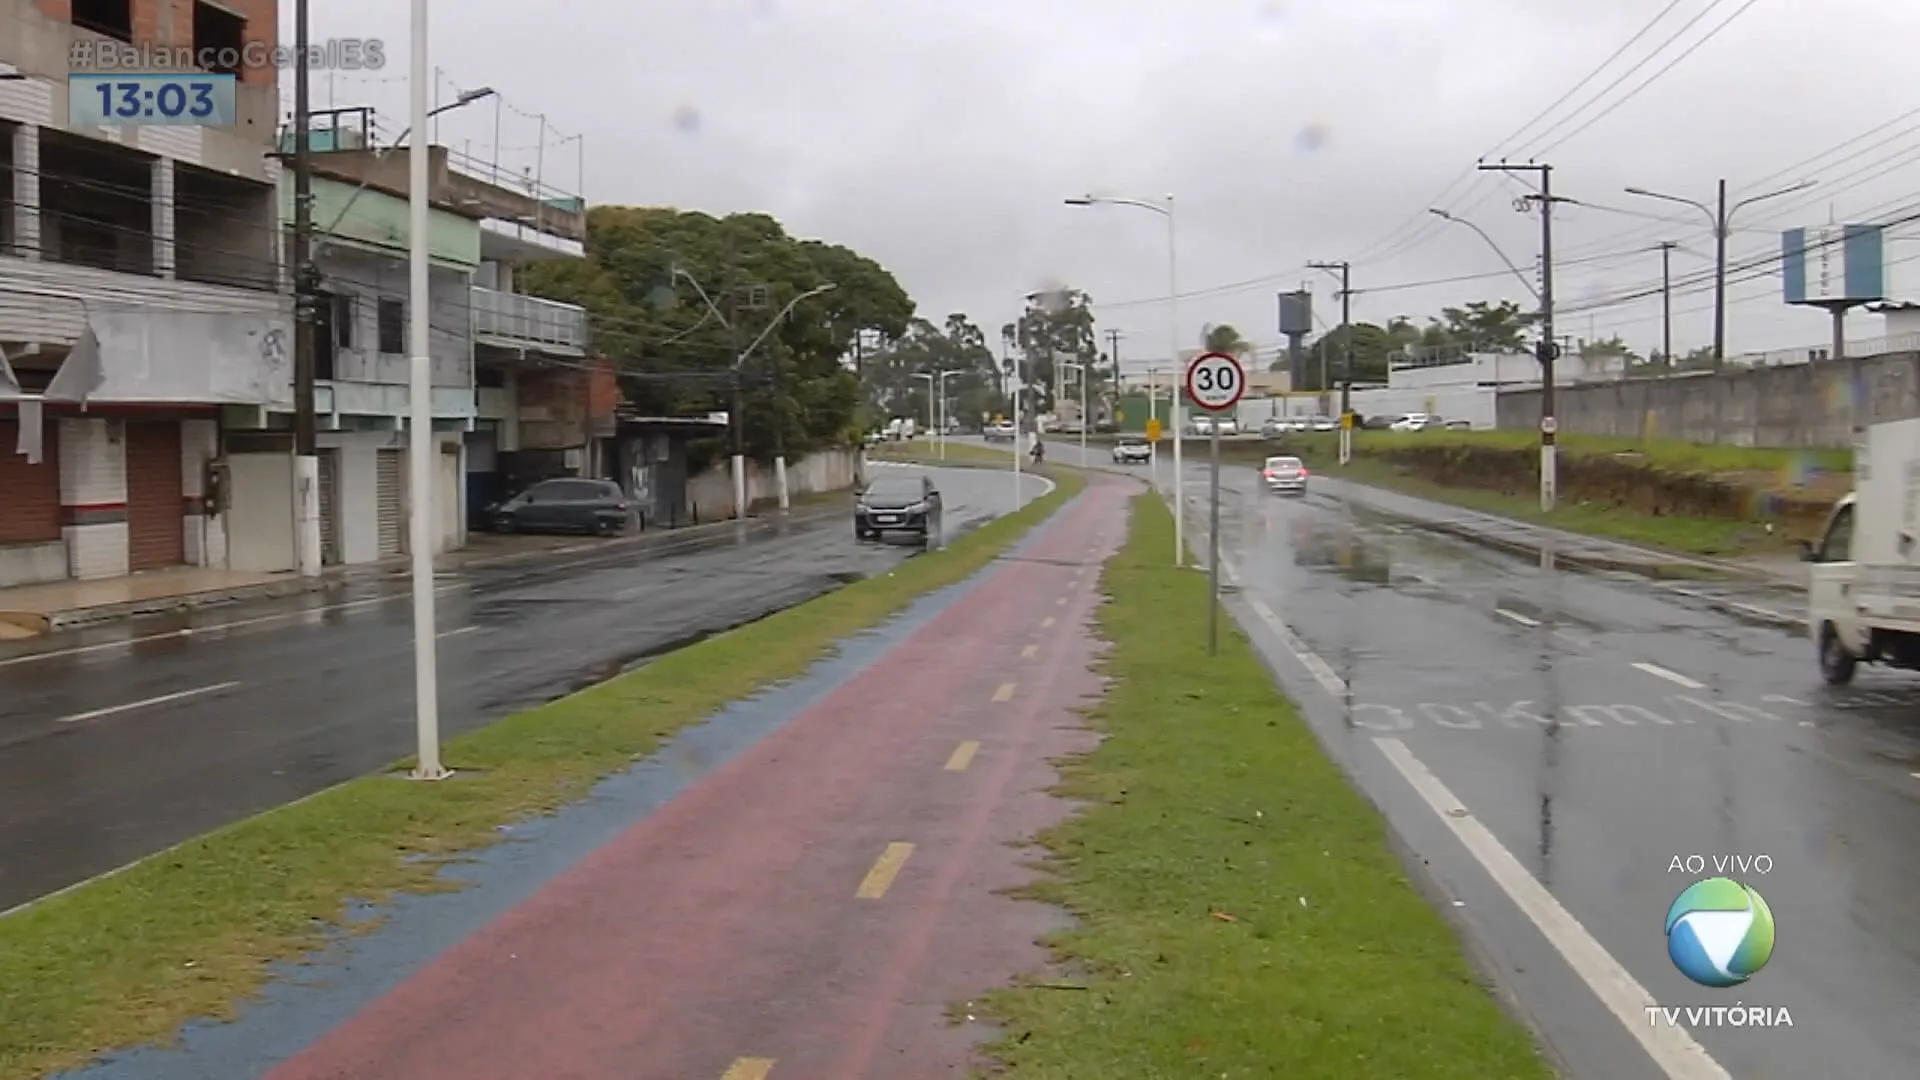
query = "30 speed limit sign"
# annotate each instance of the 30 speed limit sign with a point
(1215, 381)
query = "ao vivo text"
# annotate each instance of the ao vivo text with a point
(1721, 865)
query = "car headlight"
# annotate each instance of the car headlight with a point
(917, 508)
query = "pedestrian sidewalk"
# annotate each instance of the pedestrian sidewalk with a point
(33, 610)
(811, 906)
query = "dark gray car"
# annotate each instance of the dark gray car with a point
(566, 506)
(898, 502)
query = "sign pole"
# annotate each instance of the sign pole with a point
(1213, 544)
(1215, 382)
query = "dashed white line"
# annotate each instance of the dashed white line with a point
(218, 628)
(1321, 671)
(1514, 616)
(458, 632)
(1671, 676)
(163, 699)
(1673, 1049)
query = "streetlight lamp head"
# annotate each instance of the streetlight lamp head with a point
(1084, 200)
(468, 97)
(1638, 191)
(1439, 213)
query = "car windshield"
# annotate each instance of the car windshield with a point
(1132, 440)
(1283, 464)
(894, 489)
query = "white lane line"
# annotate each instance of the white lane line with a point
(1673, 1049)
(457, 633)
(1322, 672)
(113, 710)
(1671, 676)
(1514, 616)
(1765, 613)
(237, 624)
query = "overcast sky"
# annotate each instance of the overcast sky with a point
(940, 138)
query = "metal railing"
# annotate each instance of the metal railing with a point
(529, 319)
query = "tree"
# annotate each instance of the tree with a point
(1490, 327)
(1372, 347)
(1225, 339)
(673, 352)
(1057, 323)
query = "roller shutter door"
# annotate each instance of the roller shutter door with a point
(29, 494)
(388, 469)
(156, 507)
(330, 507)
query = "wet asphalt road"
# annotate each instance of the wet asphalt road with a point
(1599, 726)
(117, 743)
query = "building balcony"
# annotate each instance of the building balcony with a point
(512, 321)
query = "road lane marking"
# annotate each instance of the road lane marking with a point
(1514, 616)
(1671, 676)
(457, 633)
(1673, 1049)
(1030, 651)
(1046, 622)
(1322, 672)
(885, 869)
(962, 756)
(749, 1069)
(163, 699)
(1005, 693)
(193, 631)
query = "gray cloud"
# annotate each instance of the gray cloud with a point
(941, 138)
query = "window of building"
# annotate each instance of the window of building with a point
(218, 37)
(111, 18)
(393, 327)
(344, 313)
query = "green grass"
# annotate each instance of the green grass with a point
(1717, 537)
(959, 455)
(127, 959)
(1240, 913)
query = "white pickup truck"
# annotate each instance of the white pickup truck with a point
(1863, 587)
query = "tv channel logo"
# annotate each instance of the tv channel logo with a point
(1719, 932)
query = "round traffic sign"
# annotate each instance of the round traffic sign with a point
(1215, 381)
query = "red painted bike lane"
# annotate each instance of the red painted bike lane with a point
(814, 907)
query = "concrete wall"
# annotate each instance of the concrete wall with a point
(710, 494)
(1790, 405)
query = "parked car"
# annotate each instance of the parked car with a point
(1132, 450)
(1227, 425)
(1324, 423)
(1415, 422)
(1200, 425)
(1379, 422)
(899, 502)
(1274, 428)
(565, 506)
(1285, 476)
(1105, 427)
(1000, 432)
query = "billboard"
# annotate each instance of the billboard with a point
(1296, 313)
(1833, 264)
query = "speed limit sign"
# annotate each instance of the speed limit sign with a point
(1215, 381)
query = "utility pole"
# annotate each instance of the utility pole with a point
(1721, 227)
(1113, 356)
(1666, 302)
(1345, 271)
(306, 463)
(1548, 349)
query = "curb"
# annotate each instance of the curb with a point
(36, 624)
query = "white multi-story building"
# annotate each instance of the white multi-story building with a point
(161, 246)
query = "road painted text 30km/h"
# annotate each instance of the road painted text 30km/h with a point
(1678, 710)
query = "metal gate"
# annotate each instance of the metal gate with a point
(330, 507)
(156, 505)
(388, 470)
(29, 494)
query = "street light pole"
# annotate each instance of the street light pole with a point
(780, 454)
(1344, 270)
(1549, 349)
(1176, 411)
(426, 674)
(306, 461)
(1720, 217)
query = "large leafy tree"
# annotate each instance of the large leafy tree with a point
(1057, 325)
(676, 298)
(896, 377)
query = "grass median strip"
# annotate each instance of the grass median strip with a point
(127, 959)
(959, 455)
(1239, 910)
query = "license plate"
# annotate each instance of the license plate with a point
(886, 519)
